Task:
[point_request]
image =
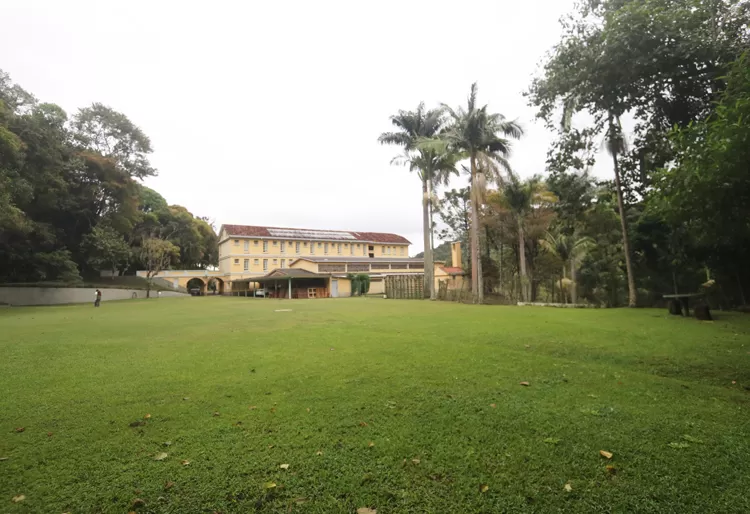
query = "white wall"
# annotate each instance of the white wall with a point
(63, 295)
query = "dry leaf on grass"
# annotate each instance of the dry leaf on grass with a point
(18, 499)
(605, 454)
(319, 452)
(185, 462)
(269, 485)
(493, 405)
(371, 444)
(137, 503)
(253, 407)
(525, 384)
(160, 456)
(168, 485)
(611, 470)
(216, 414)
(20, 429)
(483, 488)
(284, 466)
(3, 458)
(362, 424)
(308, 409)
(568, 488)
(147, 416)
(366, 510)
(416, 461)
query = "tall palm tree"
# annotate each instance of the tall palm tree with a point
(616, 145)
(411, 127)
(520, 197)
(478, 134)
(570, 249)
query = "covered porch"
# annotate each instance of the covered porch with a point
(293, 283)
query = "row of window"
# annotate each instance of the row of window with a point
(339, 247)
(246, 263)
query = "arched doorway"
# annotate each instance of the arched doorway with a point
(215, 286)
(196, 286)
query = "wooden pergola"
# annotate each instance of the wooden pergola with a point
(283, 281)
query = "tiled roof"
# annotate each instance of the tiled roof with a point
(452, 270)
(314, 235)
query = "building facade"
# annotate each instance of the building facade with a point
(252, 251)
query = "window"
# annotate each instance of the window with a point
(325, 248)
(265, 264)
(236, 261)
(247, 246)
(402, 250)
(255, 243)
(275, 243)
(265, 246)
(255, 262)
(338, 248)
(312, 248)
(382, 250)
(246, 264)
(305, 244)
(351, 250)
(296, 247)
(388, 250)
(283, 247)
(364, 249)
(236, 242)
(275, 261)
(283, 263)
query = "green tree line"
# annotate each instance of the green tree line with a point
(675, 215)
(72, 203)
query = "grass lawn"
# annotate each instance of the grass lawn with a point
(399, 406)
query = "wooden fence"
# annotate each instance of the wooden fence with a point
(405, 287)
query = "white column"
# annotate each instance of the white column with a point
(290, 288)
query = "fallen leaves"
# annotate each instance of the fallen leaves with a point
(137, 503)
(493, 405)
(319, 452)
(552, 440)
(308, 409)
(611, 470)
(147, 416)
(253, 407)
(269, 485)
(185, 462)
(3, 458)
(678, 446)
(49, 434)
(524, 383)
(167, 443)
(20, 429)
(168, 485)
(18, 499)
(371, 444)
(216, 414)
(568, 488)
(483, 488)
(362, 424)
(416, 462)
(692, 439)
(284, 466)
(366, 510)
(160, 456)
(605, 454)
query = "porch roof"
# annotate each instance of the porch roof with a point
(285, 274)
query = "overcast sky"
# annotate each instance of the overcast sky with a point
(268, 113)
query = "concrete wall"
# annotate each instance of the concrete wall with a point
(64, 295)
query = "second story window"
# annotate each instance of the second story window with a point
(265, 264)
(236, 242)
(283, 247)
(246, 264)
(247, 246)
(382, 250)
(325, 248)
(338, 248)
(283, 263)
(351, 250)
(296, 247)
(265, 246)
(312, 248)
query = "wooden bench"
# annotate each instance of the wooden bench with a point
(680, 302)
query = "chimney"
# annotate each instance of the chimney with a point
(456, 255)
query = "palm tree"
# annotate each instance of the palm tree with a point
(616, 144)
(430, 165)
(520, 198)
(477, 134)
(570, 249)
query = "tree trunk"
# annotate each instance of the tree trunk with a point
(476, 267)
(632, 295)
(426, 234)
(573, 285)
(430, 261)
(562, 287)
(522, 261)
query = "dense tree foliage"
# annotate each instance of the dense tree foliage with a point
(71, 201)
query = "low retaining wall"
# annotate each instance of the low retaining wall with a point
(64, 295)
(558, 305)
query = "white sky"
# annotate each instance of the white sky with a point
(268, 113)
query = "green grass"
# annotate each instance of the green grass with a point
(417, 379)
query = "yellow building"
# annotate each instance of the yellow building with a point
(248, 252)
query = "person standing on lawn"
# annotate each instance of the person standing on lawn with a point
(98, 298)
